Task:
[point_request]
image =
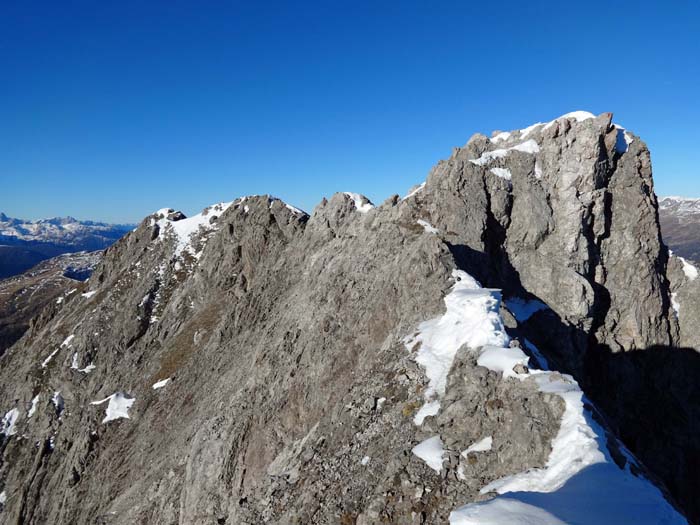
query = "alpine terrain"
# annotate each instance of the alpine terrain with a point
(25, 243)
(509, 343)
(680, 225)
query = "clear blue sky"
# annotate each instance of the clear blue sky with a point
(110, 110)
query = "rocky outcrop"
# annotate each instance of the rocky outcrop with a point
(255, 364)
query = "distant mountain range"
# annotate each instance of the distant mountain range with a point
(680, 225)
(25, 243)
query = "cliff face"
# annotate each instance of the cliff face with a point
(259, 365)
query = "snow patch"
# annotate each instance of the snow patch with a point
(46, 361)
(9, 420)
(503, 360)
(471, 318)
(503, 135)
(579, 116)
(504, 173)
(87, 295)
(160, 384)
(184, 230)
(675, 304)
(431, 452)
(32, 408)
(58, 403)
(362, 203)
(690, 271)
(529, 146)
(365, 461)
(413, 191)
(504, 511)
(427, 226)
(580, 483)
(118, 407)
(483, 445)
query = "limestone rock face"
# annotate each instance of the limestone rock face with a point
(254, 362)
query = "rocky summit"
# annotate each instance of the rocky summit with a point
(509, 343)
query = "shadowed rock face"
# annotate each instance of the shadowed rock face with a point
(292, 394)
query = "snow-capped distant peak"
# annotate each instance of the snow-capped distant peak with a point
(61, 230)
(680, 205)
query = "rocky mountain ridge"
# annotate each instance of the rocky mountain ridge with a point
(413, 362)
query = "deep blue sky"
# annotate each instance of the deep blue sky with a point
(110, 110)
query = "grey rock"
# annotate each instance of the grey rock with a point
(283, 331)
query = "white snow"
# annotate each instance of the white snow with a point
(503, 135)
(87, 295)
(623, 139)
(690, 271)
(3, 498)
(7, 427)
(538, 170)
(501, 359)
(32, 408)
(431, 452)
(58, 402)
(68, 340)
(365, 461)
(483, 445)
(380, 403)
(362, 204)
(529, 146)
(59, 300)
(526, 131)
(503, 511)
(579, 116)
(429, 408)
(681, 206)
(160, 384)
(414, 190)
(75, 366)
(427, 226)
(294, 209)
(523, 309)
(471, 318)
(675, 304)
(504, 173)
(185, 229)
(580, 482)
(118, 406)
(46, 361)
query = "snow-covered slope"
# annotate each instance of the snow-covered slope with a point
(581, 483)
